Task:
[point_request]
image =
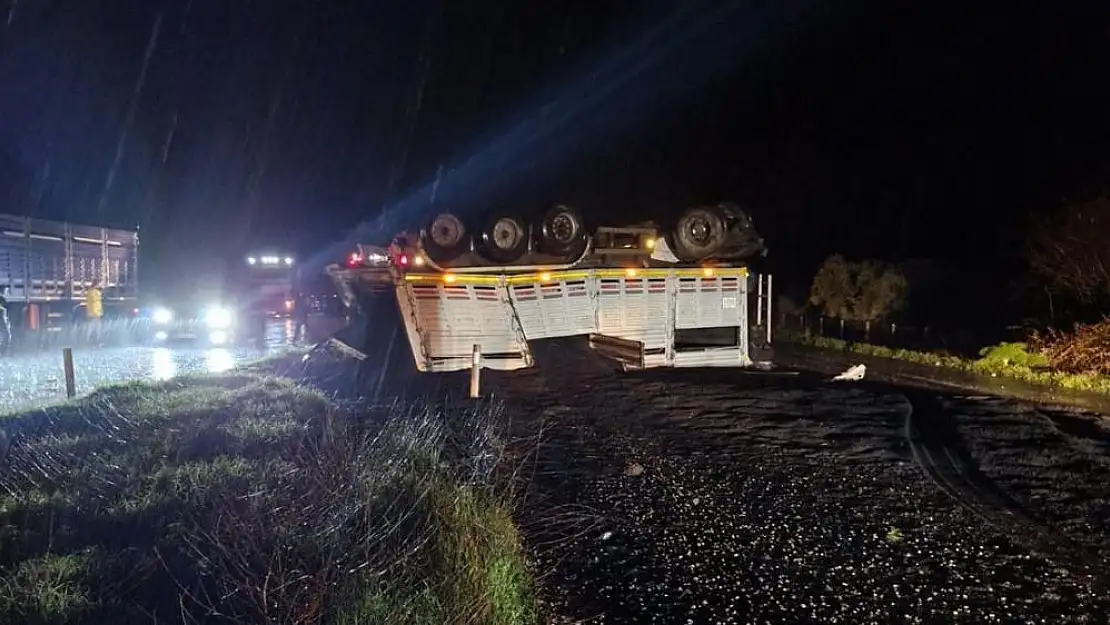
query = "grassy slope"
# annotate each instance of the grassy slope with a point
(255, 499)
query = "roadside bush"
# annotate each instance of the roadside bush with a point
(1012, 354)
(246, 499)
(1086, 349)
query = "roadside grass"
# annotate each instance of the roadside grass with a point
(1007, 360)
(251, 499)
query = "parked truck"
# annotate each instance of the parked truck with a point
(268, 282)
(645, 296)
(232, 308)
(48, 266)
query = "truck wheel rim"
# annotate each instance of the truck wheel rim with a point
(446, 231)
(700, 230)
(506, 233)
(563, 228)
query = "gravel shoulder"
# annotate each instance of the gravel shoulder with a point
(721, 496)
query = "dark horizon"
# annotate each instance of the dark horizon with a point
(888, 130)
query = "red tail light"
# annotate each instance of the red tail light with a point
(354, 260)
(403, 260)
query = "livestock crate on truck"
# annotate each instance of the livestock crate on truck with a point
(48, 267)
(622, 287)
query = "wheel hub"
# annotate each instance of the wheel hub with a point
(506, 234)
(699, 230)
(563, 228)
(446, 231)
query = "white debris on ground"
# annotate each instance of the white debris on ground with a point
(852, 374)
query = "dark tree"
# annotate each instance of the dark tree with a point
(1069, 251)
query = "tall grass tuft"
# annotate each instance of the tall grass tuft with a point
(249, 499)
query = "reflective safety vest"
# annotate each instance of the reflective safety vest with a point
(94, 305)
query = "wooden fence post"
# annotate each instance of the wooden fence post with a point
(67, 366)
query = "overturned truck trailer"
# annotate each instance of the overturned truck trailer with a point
(625, 288)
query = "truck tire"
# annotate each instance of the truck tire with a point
(503, 238)
(563, 233)
(743, 240)
(445, 238)
(733, 213)
(699, 233)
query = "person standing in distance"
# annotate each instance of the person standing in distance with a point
(94, 311)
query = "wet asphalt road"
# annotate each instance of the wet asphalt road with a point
(36, 379)
(718, 497)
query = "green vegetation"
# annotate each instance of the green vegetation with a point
(251, 499)
(1009, 360)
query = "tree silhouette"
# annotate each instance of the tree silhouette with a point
(858, 291)
(1069, 251)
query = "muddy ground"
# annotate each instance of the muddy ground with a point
(718, 496)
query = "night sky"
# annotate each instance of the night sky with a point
(888, 129)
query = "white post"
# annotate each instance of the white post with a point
(475, 372)
(759, 301)
(769, 300)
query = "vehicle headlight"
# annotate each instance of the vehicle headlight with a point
(218, 318)
(162, 315)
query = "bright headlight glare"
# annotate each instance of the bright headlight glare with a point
(218, 318)
(162, 315)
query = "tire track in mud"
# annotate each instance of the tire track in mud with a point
(937, 449)
(1087, 434)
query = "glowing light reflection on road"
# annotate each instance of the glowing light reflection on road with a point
(163, 366)
(218, 360)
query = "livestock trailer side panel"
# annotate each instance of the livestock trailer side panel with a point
(45, 261)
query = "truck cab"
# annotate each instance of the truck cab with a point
(267, 283)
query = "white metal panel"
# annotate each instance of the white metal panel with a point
(634, 309)
(713, 357)
(710, 302)
(556, 308)
(447, 365)
(407, 305)
(447, 315)
(452, 318)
